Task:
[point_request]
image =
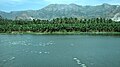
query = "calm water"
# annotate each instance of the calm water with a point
(59, 51)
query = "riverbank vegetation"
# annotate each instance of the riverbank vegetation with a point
(61, 25)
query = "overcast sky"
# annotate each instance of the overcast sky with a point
(17, 5)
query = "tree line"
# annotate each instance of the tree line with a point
(59, 25)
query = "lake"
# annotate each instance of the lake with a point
(59, 51)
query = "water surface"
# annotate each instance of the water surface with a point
(59, 51)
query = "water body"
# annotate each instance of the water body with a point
(59, 51)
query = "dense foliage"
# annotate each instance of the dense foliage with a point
(60, 25)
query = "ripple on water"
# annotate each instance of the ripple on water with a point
(46, 44)
(79, 62)
(75, 58)
(83, 65)
(31, 51)
(4, 60)
(12, 58)
(40, 52)
(46, 52)
(72, 44)
(35, 51)
(26, 51)
(9, 59)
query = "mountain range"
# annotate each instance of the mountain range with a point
(67, 10)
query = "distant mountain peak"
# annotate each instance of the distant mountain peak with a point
(73, 4)
(57, 4)
(105, 4)
(66, 10)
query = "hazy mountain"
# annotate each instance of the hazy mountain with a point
(65, 10)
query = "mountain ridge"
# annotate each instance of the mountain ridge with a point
(66, 10)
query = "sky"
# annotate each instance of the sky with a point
(18, 5)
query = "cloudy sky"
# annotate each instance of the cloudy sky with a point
(17, 5)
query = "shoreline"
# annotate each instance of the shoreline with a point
(66, 33)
